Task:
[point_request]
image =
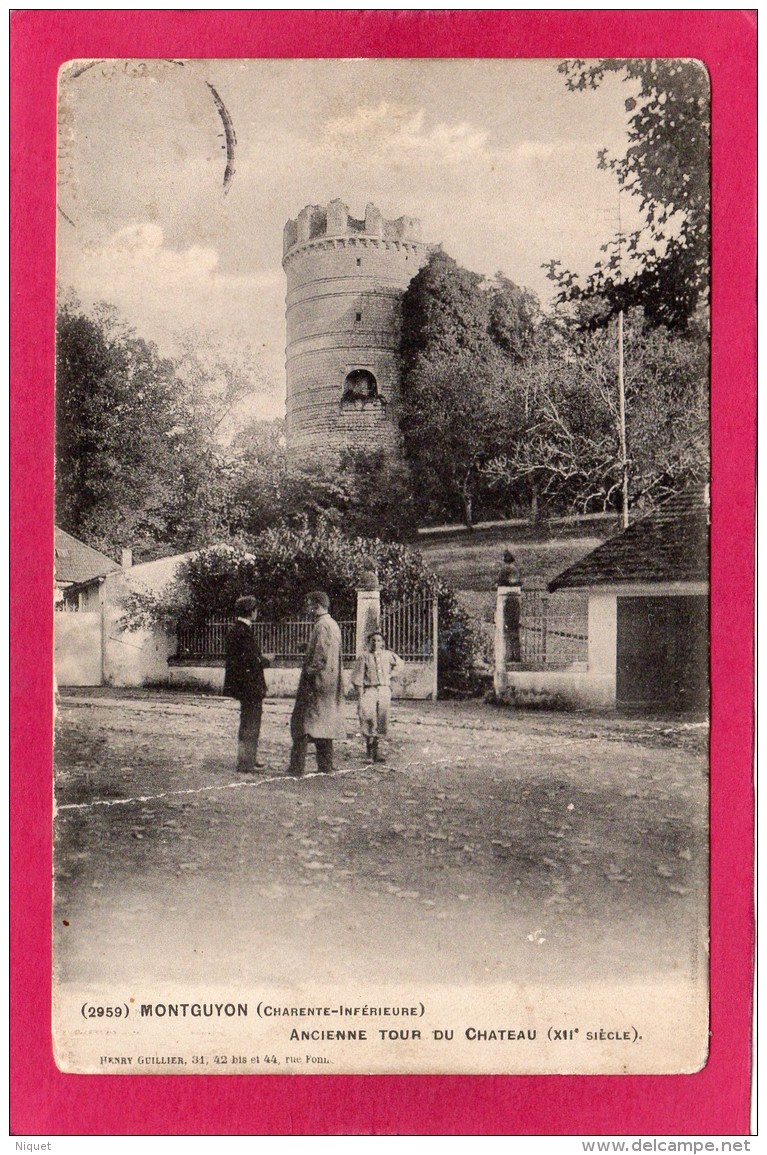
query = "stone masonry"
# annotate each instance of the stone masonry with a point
(345, 281)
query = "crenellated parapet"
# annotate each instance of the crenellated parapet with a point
(332, 222)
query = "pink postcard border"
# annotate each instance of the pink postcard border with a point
(713, 1101)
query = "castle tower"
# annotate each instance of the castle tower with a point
(346, 279)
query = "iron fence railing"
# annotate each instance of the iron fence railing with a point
(553, 629)
(409, 628)
(286, 640)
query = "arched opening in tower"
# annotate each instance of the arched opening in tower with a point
(360, 385)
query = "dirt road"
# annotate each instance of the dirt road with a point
(494, 844)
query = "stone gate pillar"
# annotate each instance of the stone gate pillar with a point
(368, 616)
(507, 618)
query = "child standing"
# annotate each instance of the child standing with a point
(372, 676)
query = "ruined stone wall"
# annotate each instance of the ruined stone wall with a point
(346, 278)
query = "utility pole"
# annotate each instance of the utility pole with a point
(621, 388)
(622, 426)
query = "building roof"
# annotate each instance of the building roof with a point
(77, 562)
(671, 544)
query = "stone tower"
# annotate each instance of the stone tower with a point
(346, 279)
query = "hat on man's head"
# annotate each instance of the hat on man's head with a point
(320, 598)
(244, 606)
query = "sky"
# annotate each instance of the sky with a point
(496, 158)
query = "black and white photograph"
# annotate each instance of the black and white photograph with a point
(382, 567)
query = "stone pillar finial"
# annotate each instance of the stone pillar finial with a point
(369, 576)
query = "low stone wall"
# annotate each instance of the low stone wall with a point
(417, 681)
(281, 681)
(567, 689)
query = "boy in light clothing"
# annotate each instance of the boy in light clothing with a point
(371, 677)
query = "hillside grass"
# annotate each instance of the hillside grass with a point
(471, 561)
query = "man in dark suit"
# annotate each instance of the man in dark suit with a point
(244, 679)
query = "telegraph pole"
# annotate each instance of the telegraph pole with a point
(621, 388)
(622, 425)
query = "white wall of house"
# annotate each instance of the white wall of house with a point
(77, 649)
(135, 657)
(603, 641)
(603, 621)
(596, 686)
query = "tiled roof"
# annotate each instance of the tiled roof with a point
(668, 545)
(76, 561)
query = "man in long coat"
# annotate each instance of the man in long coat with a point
(317, 713)
(244, 679)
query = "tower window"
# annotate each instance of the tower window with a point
(359, 260)
(358, 317)
(360, 385)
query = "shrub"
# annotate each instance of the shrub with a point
(280, 566)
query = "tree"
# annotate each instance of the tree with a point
(664, 266)
(118, 432)
(460, 343)
(217, 382)
(457, 414)
(260, 439)
(444, 314)
(381, 497)
(514, 317)
(361, 494)
(139, 453)
(571, 448)
(668, 424)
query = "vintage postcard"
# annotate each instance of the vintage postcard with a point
(430, 337)
(392, 713)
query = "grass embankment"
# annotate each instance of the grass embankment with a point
(470, 561)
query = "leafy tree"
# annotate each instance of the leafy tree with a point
(361, 493)
(666, 166)
(445, 313)
(514, 317)
(141, 458)
(217, 382)
(457, 414)
(460, 343)
(214, 384)
(668, 422)
(118, 432)
(260, 440)
(381, 498)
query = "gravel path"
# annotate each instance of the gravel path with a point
(492, 845)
